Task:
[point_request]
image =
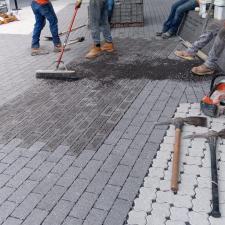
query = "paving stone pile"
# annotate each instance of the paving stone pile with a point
(156, 204)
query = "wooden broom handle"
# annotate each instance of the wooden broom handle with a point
(176, 159)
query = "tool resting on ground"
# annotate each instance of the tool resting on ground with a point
(178, 123)
(212, 137)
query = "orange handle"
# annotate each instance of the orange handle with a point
(176, 159)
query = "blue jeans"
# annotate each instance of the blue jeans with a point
(177, 12)
(43, 12)
(98, 10)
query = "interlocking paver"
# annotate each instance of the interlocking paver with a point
(137, 218)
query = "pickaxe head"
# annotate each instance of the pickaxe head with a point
(192, 120)
(209, 134)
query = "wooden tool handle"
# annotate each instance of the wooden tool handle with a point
(176, 159)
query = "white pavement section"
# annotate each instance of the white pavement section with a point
(26, 19)
(157, 204)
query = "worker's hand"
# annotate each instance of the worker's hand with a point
(78, 3)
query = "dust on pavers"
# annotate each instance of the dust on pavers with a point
(156, 204)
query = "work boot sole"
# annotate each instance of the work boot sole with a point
(183, 57)
(202, 74)
(94, 56)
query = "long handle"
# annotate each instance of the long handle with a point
(67, 37)
(215, 193)
(176, 159)
(49, 38)
(207, 17)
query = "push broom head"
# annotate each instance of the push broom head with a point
(57, 74)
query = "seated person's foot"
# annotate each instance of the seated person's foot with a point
(93, 53)
(202, 70)
(59, 47)
(38, 51)
(167, 35)
(108, 47)
(184, 55)
(159, 34)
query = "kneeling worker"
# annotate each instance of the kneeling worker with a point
(209, 66)
(43, 10)
(98, 12)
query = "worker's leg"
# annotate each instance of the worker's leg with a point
(38, 26)
(179, 13)
(168, 23)
(48, 11)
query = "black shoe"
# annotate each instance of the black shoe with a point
(159, 34)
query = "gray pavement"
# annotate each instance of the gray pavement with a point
(77, 152)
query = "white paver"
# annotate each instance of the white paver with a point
(137, 218)
(157, 204)
(180, 214)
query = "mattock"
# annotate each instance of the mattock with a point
(178, 123)
(212, 137)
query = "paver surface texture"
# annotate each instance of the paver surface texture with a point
(77, 152)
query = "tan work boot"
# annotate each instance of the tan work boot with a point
(184, 55)
(38, 51)
(202, 70)
(93, 53)
(108, 47)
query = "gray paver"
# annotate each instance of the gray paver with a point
(12, 221)
(118, 212)
(38, 159)
(129, 190)
(69, 176)
(49, 201)
(98, 182)
(84, 205)
(120, 175)
(111, 163)
(20, 194)
(103, 152)
(58, 214)
(63, 164)
(90, 170)
(5, 192)
(26, 207)
(107, 197)
(20, 177)
(36, 217)
(46, 184)
(42, 171)
(5, 210)
(72, 221)
(58, 154)
(95, 217)
(83, 158)
(16, 166)
(76, 190)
